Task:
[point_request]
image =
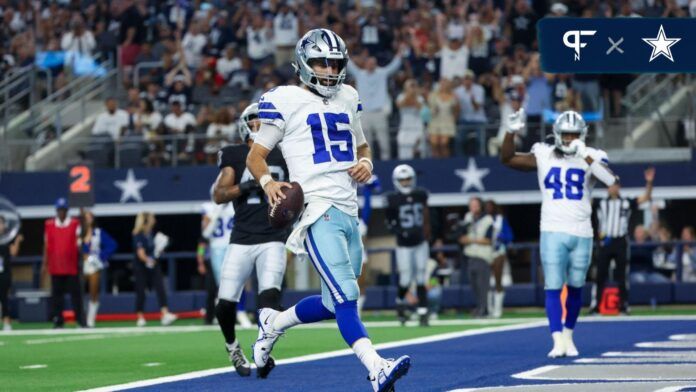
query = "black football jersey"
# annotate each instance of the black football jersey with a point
(251, 211)
(405, 216)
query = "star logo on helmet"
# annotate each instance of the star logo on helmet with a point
(308, 41)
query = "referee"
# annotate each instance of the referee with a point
(613, 216)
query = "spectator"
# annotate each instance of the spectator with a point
(411, 138)
(147, 269)
(112, 122)
(689, 254)
(444, 107)
(60, 260)
(226, 66)
(259, 34)
(178, 121)
(78, 41)
(510, 102)
(642, 269)
(221, 132)
(375, 35)
(371, 83)
(477, 239)
(221, 34)
(97, 247)
(8, 251)
(132, 32)
(146, 120)
(192, 44)
(521, 25)
(178, 82)
(454, 59)
(502, 236)
(665, 256)
(478, 39)
(539, 93)
(472, 118)
(286, 29)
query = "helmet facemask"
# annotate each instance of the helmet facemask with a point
(321, 47)
(572, 123)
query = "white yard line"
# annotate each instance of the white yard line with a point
(319, 356)
(30, 367)
(204, 328)
(534, 373)
(80, 338)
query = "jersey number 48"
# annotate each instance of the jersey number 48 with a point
(574, 183)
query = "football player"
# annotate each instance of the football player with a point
(567, 171)
(318, 126)
(408, 218)
(253, 242)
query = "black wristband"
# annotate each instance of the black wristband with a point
(248, 186)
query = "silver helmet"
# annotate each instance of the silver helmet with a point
(404, 172)
(323, 46)
(568, 122)
(251, 112)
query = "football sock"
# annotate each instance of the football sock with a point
(573, 306)
(422, 296)
(241, 305)
(226, 313)
(554, 312)
(367, 354)
(402, 292)
(308, 310)
(269, 299)
(349, 322)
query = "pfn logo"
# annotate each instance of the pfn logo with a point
(576, 44)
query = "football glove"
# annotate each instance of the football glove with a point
(516, 121)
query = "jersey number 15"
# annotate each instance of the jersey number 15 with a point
(337, 136)
(574, 183)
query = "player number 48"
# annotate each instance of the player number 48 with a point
(574, 182)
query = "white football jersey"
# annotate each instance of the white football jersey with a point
(566, 185)
(319, 141)
(222, 219)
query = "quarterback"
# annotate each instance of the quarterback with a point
(567, 172)
(318, 129)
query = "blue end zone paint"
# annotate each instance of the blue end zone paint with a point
(470, 361)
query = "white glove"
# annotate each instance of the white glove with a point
(516, 121)
(579, 147)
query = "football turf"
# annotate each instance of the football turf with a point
(79, 361)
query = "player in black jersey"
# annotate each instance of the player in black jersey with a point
(253, 242)
(408, 218)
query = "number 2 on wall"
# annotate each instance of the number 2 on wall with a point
(321, 154)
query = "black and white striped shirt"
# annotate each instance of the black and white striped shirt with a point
(613, 216)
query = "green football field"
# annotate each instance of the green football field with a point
(35, 358)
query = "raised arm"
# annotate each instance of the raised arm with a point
(599, 169)
(649, 178)
(508, 156)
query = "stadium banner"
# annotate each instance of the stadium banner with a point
(450, 182)
(617, 45)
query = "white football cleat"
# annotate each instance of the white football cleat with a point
(384, 377)
(264, 344)
(571, 350)
(243, 320)
(238, 360)
(559, 349)
(141, 322)
(168, 318)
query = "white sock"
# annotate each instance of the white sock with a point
(367, 354)
(361, 303)
(422, 311)
(233, 345)
(286, 319)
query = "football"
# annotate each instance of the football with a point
(285, 213)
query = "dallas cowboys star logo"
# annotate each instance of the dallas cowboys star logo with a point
(472, 176)
(661, 45)
(130, 187)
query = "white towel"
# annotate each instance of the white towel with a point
(311, 213)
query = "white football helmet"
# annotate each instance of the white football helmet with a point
(251, 112)
(324, 46)
(568, 122)
(404, 172)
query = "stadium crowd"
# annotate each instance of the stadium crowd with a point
(437, 78)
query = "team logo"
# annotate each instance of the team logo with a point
(576, 43)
